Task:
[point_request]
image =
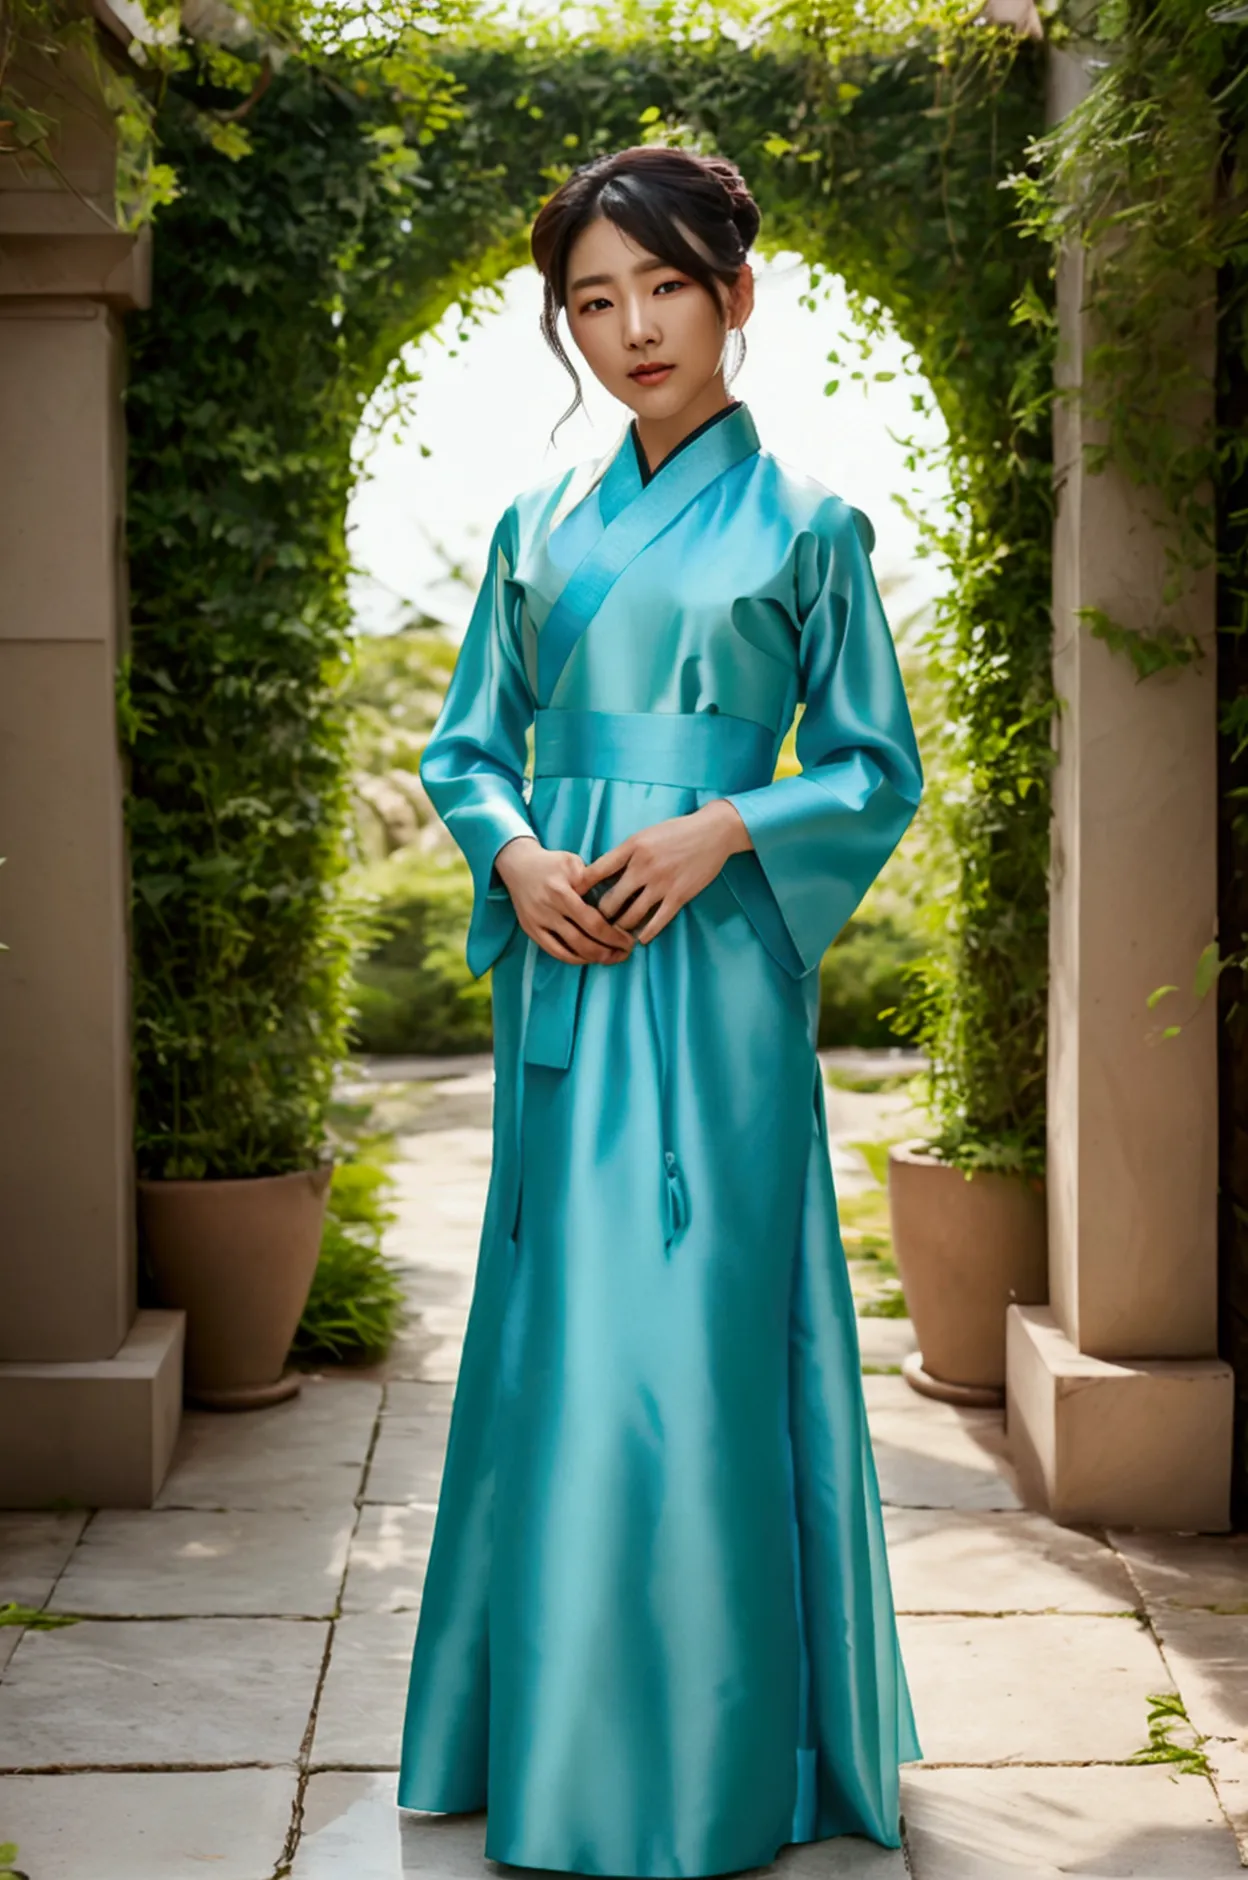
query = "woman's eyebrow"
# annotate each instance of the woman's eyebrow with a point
(605, 280)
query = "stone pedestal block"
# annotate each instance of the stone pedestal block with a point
(1140, 1443)
(97, 1434)
(90, 1396)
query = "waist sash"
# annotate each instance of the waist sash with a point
(689, 750)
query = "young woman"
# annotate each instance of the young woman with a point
(657, 1635)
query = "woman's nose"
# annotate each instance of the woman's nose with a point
(640, 325)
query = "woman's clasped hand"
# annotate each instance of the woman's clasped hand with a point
(659, 869)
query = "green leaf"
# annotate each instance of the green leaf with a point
(1161, 992)
(156, 888)
(1208, 967)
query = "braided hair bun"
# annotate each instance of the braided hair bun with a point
(744, 210)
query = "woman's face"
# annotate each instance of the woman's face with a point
(651, 334)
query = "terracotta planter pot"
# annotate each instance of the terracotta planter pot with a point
(965, 1251)
(238, 1257)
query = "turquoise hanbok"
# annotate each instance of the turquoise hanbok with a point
(657, 1634)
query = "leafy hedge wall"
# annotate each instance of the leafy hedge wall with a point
(287, 278)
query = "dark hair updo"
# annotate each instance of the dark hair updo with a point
(649, 192)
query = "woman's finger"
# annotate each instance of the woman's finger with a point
(610, 863)
(586, 951)
(647, 900)
(551, 943)
(621, 893)
(591, 921)
(666, 911)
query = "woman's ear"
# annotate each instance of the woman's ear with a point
(741, 296)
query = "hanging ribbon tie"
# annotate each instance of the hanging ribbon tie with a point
(675, 1194)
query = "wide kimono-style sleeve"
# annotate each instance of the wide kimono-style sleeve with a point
(473, 763)
(822, 837)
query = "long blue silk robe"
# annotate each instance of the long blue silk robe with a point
(657, 1635)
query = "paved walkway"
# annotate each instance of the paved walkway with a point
(228, 1700)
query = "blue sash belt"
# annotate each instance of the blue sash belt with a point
(689, 750)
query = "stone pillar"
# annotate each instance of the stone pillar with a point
(1118, 1408)
(90, 1391)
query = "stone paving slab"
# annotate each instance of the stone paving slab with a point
(385, 1070)
(33, 1551)
(411, 1443)
(182, 1562)
(352, 1830)
(1188, 1569)
(1004, 1824)
(417, 1403)
(229, 1823)
(1208, 1655)
(948, 1560)
(1229, 1762)
(9, 1635)
(422, 1354)
(306, 1453)
(932, 1455)
(885, 1341)
(386, 1566)
(439, 1194)
(359, 1720)
(1033, 1688)
(104, 1693)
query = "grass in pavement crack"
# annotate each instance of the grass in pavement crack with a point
(1166, 1712)
(34, 1621)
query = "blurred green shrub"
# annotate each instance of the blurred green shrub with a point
(357, 1302)
(413, 991)
(862, 976)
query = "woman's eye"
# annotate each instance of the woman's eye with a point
(663, 284)
(601, 301)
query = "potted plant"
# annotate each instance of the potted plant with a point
(968, 1210)
(238, 1255)
(232, 1197)
(968, 1243)
(242, 945)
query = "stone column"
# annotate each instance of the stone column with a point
(1118, 1408)
(90, 1391)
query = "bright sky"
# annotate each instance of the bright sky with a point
(484, 410)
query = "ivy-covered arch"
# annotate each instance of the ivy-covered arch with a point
(287, 280)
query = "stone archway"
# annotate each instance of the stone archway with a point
(283, 285)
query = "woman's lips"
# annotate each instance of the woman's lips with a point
(651, 375)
